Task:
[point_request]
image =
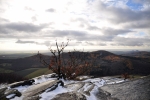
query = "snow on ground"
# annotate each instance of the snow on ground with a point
(114, 80)
(95, 82)
(92, 94)
(43, 78)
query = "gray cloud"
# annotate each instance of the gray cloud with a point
(71, 34)
(23, 42)
(108, 34)
(120, 41)
(20, 27)
(127, 15)
(26, 27)
(123, 15)
(138, 25)
(62, 33)
(93, 28)
(105, 38)
(114, 32)
(47, 43)
(51, 10)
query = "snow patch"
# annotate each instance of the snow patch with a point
(10, 96)
(49, 95)
(43, 78)
(92, 94)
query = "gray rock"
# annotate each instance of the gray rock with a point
(35, 97)
(70, 96)
(22, 83)
(2, 94)
(55, 86)
(103, 95)
(36, 89)
(15, 92)
(138, 89)
(75, 86)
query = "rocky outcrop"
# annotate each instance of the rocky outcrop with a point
(106, 88)
(31, 93)
(138, 89)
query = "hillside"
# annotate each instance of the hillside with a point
(27, 67)
(111, 64)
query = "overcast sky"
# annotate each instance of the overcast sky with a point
(89, 24)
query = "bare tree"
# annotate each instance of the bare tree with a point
(71, 66)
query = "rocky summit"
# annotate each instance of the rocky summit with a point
(47, 87)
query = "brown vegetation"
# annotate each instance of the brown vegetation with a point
(76, 64)
(112, 58)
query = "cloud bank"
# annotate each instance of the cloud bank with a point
(102, 23)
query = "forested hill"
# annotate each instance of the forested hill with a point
(107, 63)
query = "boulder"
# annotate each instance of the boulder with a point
(138, 89)
(38, 88)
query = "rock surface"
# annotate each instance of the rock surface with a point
(70, 96)
(138, 89)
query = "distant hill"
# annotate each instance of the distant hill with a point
(22, 63)
(15, 55)
(103, 53)
(26, 67)
(137, 54)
